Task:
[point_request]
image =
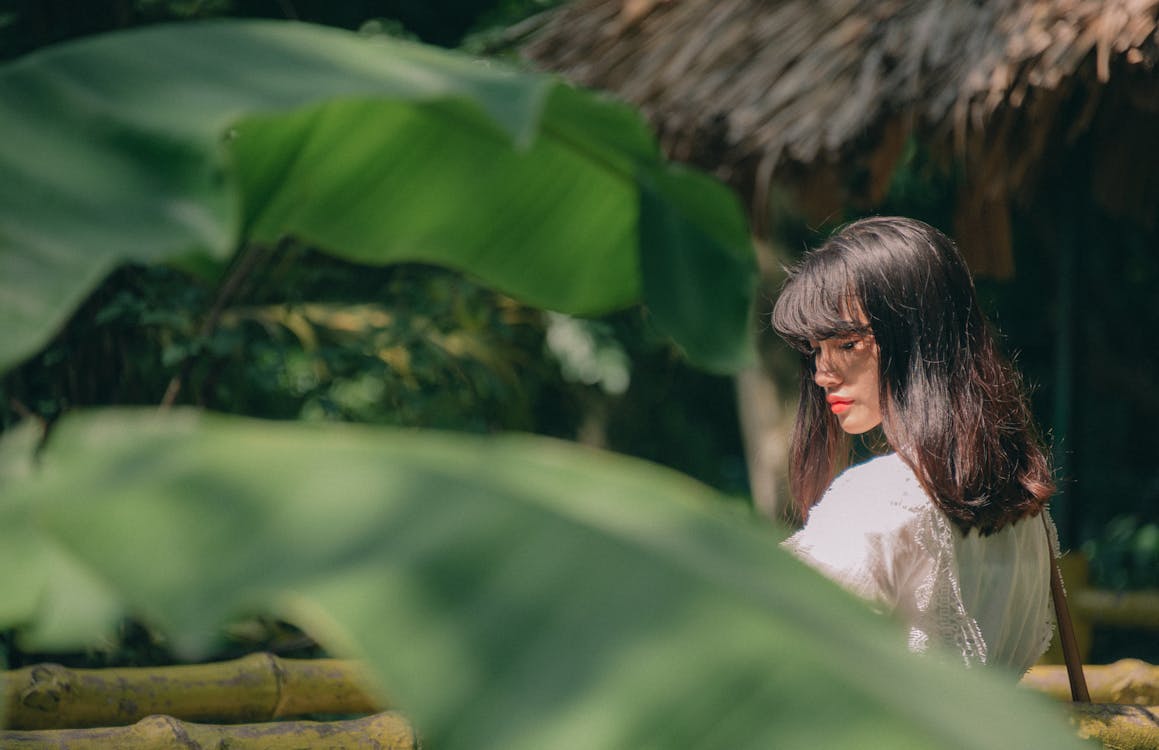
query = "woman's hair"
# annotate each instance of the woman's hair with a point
(952, 406)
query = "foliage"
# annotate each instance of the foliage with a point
(30, 24)
(110, 355)
(146, 324)
(423, 158)
(510, 592)
(308, 337)
(1126, 555)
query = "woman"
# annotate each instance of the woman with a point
(944, 531)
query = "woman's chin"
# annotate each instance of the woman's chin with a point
(854, 425)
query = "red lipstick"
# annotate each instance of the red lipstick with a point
(838, 404)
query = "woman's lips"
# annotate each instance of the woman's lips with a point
(839, 405)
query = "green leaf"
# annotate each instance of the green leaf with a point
(56, 602)
(509, 592)
(179, 144)
(697, 283)
(383, 182)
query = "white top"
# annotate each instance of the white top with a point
(986, 598)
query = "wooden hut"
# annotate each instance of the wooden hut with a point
(816, 99)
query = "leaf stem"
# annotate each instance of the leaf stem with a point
(240, 271)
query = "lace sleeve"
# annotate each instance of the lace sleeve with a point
(938, 613)
(1050, 622)
(986, 600)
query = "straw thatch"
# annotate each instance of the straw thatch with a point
(824, 94)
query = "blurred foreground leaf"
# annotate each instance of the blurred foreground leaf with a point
(510, 592)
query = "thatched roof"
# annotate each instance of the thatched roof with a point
(815, 92)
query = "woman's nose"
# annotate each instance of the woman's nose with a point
(824, 375)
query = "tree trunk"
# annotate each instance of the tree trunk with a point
(385, 731)
(764, 409)
(258, 687)
(765, 439)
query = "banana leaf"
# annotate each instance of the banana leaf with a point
(184, 143)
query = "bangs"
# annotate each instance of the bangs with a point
(819, 301)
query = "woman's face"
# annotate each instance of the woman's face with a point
(846, 368)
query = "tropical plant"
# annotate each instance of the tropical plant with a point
(506, 591)
(378, 151)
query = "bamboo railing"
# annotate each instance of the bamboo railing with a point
(248, 701)
(387, 731)
(255, 688)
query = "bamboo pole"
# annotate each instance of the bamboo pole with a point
(1118, 727)
(387, 731)
(264, 687)
(257, 687)
(1125, 609)
(1127, 681)
(1121, 727)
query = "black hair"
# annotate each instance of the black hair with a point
(953, 408)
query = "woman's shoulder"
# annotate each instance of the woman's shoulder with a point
(886, 478)
(868, 520)
(883, 492)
